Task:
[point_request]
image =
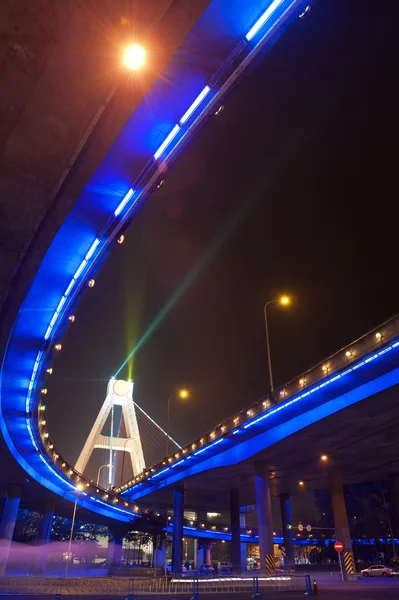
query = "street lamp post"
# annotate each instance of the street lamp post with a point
(79, 488)
(284, 300)
(183, 394)
(99, 472)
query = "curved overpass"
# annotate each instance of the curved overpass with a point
(224, 40)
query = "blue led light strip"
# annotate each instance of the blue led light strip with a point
(92, 249)
(122, 510)
(171, 136)
(195, 105)
(32, 380)
(209, 446)
(167, 141)
(54, 472)
(78, 273)
(263, 19)
(157, 474)
(125, 200)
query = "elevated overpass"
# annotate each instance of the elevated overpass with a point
(74, 222)
(337, 423)
(338, 407)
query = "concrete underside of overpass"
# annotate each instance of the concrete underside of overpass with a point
(33, 495)
(64, 99)
(59, 63)
(361, 439)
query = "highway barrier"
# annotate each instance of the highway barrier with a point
(131, 588)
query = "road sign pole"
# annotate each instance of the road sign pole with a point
(338, 547)
(340, 566)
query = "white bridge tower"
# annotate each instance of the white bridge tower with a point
(119, 393)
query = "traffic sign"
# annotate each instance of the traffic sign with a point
(338, 546)
(308, 528)
(300, 527)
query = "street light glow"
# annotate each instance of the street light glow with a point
(79, 487)
(284, 300)
(324, 457)
(183, 394)
(134, 57)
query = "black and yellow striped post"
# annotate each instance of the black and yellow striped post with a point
(270, 565)
(349, 563)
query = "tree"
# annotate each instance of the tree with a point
(26, 526)
(61, 530)
(221, 552)
(148, 526)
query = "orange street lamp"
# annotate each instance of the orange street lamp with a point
(283, 301)
(183, 395)
(134, 57)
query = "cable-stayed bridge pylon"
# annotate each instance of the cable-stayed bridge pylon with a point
(126, 436)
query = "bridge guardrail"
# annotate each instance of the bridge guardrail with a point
(102, 586)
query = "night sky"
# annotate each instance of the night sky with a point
(287, 190)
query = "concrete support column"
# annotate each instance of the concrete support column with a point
(264, 515)
(7, 524)
(287, 533)
(243, 545)
(115, 550)
(160, 557)
(204, 556)
(200, 554)
(118, 545)
(208, 553)
(235, 530)
(196, 565)
(43, 539)
(341, 521)
(178, 516)
(243, 556)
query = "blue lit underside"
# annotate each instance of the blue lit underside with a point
(173, 105)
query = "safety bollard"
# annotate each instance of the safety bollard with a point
(195, 595)
(130, 588)
(315, 588)
(255, 587)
